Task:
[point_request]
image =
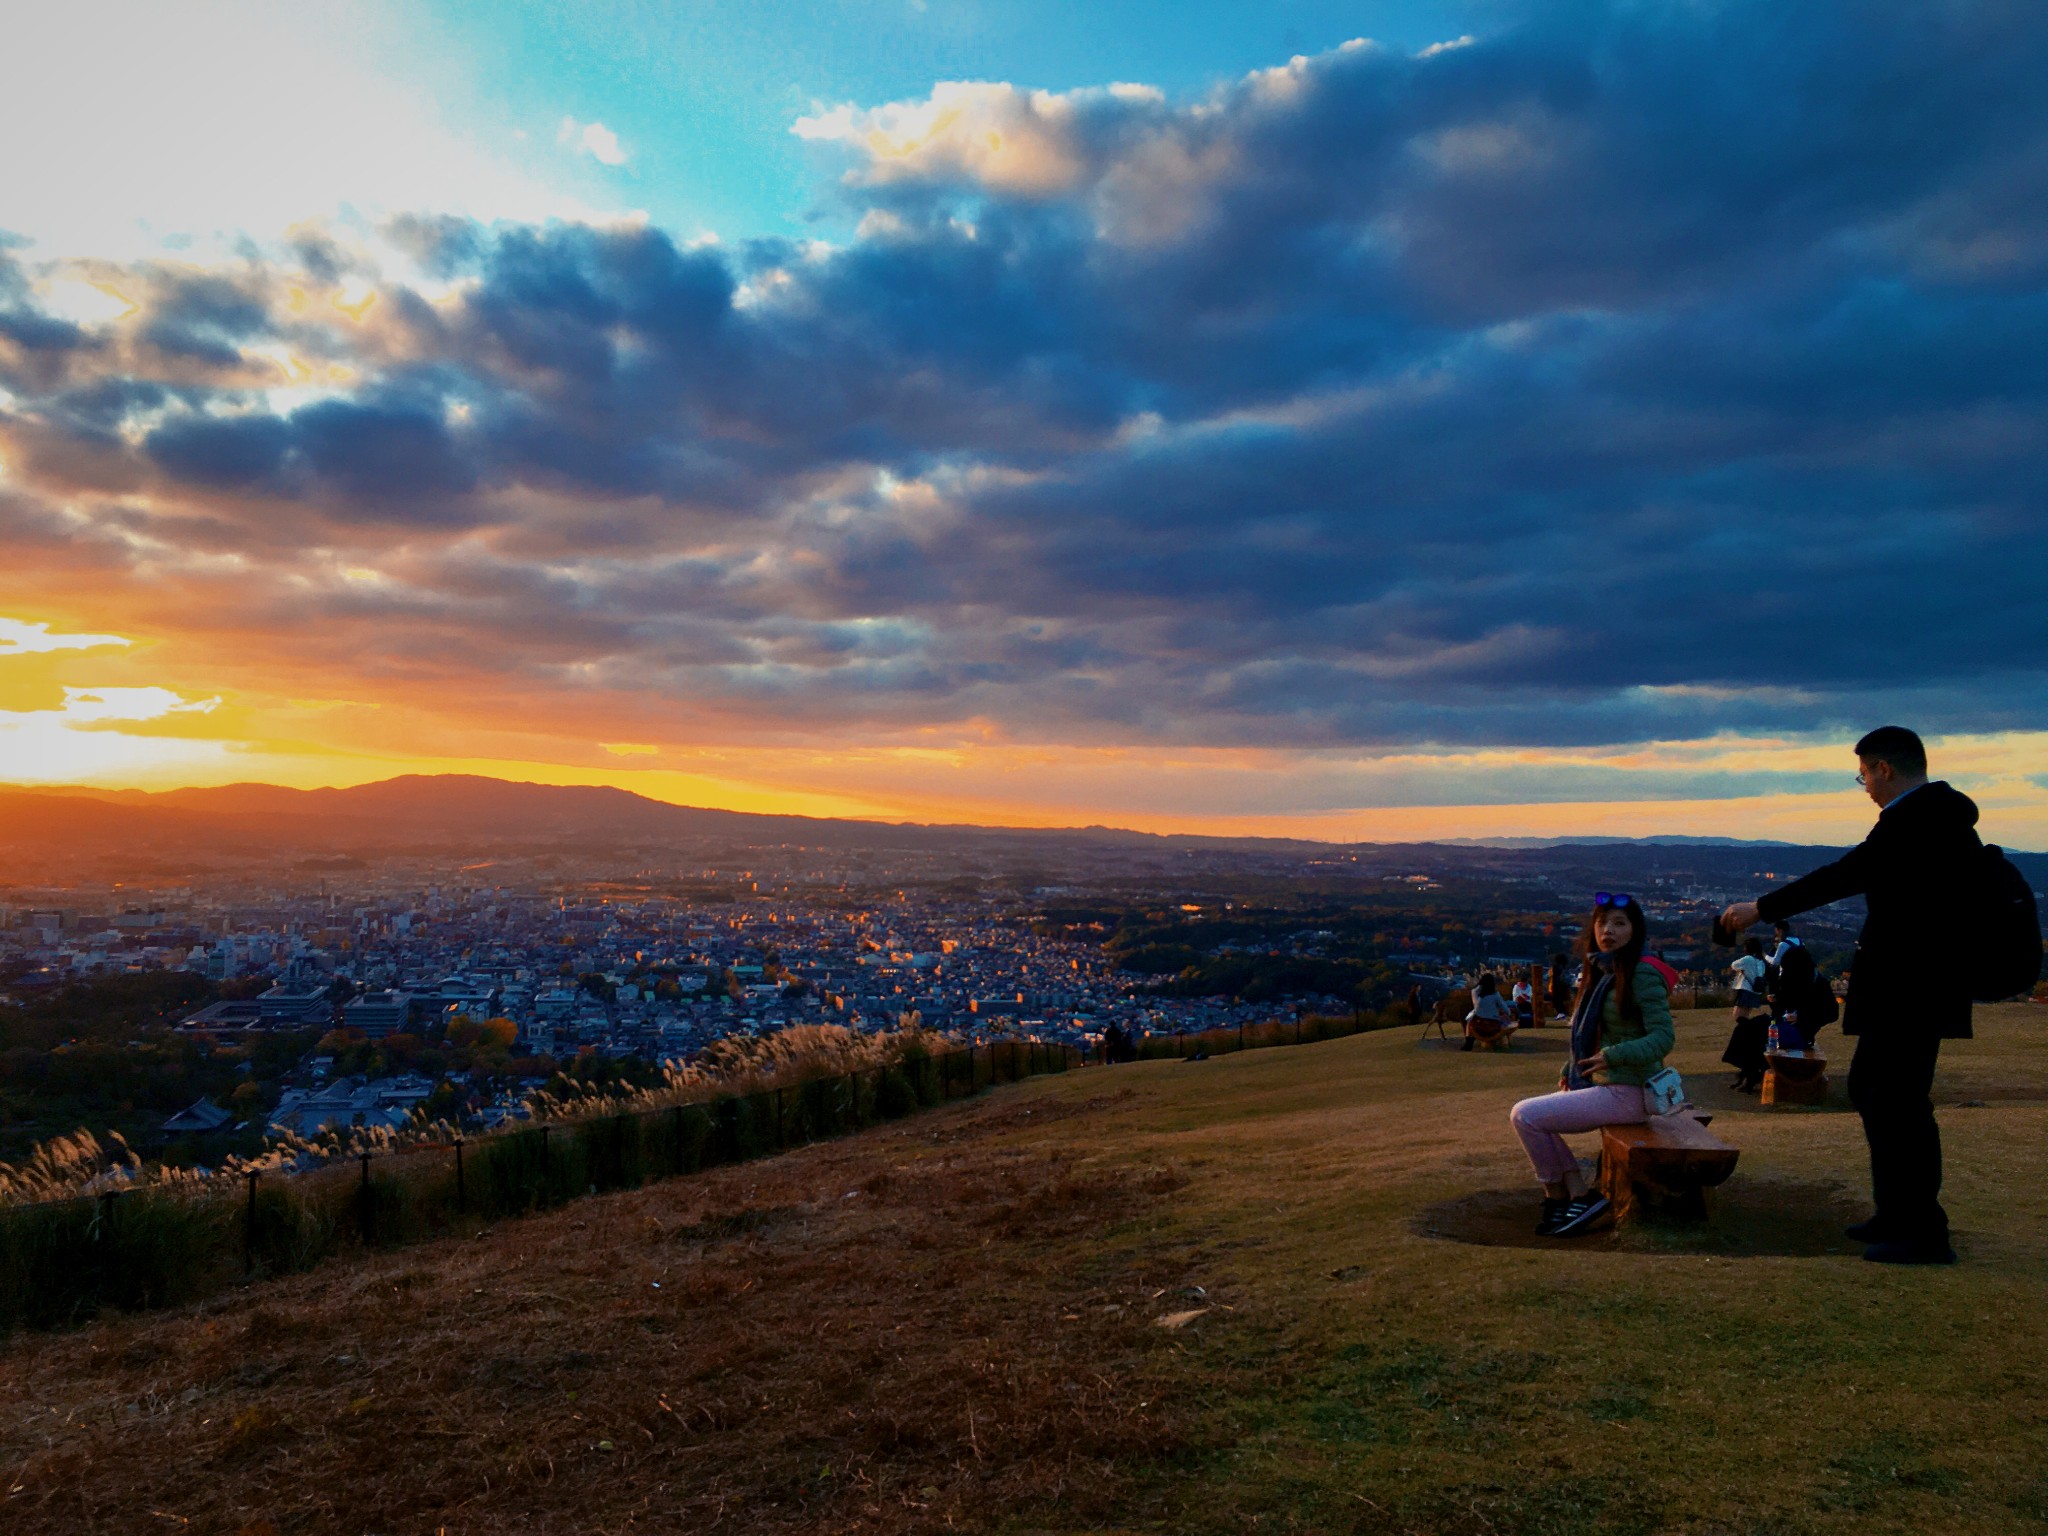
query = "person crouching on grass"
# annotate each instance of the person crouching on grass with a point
(1621, 1033)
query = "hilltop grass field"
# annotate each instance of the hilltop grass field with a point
(1293, 1290)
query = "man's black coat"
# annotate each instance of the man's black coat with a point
(1912, 871)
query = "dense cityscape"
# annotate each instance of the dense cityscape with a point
(221, 1012)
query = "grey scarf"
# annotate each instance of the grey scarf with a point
(1586, 1021)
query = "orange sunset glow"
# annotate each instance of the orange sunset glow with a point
(88, 706)
(1159, 453)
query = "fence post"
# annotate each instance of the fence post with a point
(363, 1200)
(461, 1187)
(249, 1229)
(778, 1117)
(974, 1087)
(1240, 1034)
(676, 1115)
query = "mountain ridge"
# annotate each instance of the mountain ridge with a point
(441, 814)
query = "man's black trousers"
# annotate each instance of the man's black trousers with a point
(1891, 1081)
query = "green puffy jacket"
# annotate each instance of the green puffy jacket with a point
(1635, 1052)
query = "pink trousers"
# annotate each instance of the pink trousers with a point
(1544, 1122)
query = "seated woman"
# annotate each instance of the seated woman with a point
(1745, 1051)
(1621, 1033)
(1491, 1017)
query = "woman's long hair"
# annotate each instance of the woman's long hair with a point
(1625, 959)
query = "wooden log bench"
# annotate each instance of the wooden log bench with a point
(1795, 1077)
(1496, 1040)
(1666, 1164)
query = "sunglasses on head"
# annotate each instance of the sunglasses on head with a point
(1612, 898)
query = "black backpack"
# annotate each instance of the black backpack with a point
(1802, 987)
(2005, 960)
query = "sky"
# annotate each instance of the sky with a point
(1368, 421)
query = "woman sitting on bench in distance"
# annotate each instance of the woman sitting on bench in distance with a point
(1621, 1033)
(1490, 1017)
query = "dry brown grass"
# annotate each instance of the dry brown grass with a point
(904, 1334)
(81, 1164)
(952, 1324)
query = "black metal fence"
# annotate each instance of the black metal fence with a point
(65, 1261)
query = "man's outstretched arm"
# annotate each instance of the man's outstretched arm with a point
(1847, 876)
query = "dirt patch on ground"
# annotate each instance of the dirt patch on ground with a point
(920, 1332)
(1747, 1218)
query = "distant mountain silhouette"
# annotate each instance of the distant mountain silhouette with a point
(463, 813)
(53, 833)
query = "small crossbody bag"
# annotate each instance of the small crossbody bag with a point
(1664, 1092)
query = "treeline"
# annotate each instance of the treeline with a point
(102, 1053)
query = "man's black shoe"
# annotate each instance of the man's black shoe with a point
(1553, 1213)
(1937, 1252)
(1586, 1214)
(1871, 1231)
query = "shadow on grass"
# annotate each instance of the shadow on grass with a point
(1712, 1093)
(1526, 1043)
(1746, 1219)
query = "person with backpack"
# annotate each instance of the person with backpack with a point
(1802, 1001)
(1786, 942)
(1914, 870)
(1620, 1034)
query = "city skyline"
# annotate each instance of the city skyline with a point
(1372, 422)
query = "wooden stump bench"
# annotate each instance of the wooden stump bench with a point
(1497, 1041)
(1795, 1077)
(1666, 1164)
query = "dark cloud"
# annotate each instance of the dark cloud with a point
(1629, 372)
(238, 453)
(204, 318)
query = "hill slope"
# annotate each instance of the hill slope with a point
(956, 1324)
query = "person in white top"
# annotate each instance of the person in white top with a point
(1491, 1017)
(1745, 1051)
(1524, 999)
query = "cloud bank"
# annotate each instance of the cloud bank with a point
(1628, 374)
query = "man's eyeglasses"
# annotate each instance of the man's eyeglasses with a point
(1612, 898)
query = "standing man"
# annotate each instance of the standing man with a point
(1910, 870)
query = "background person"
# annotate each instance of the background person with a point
(1621, 1033)
(1784, 941)
(1490, 1016)
(1523, 1000)
(1745, 1051)
(1921, 854)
